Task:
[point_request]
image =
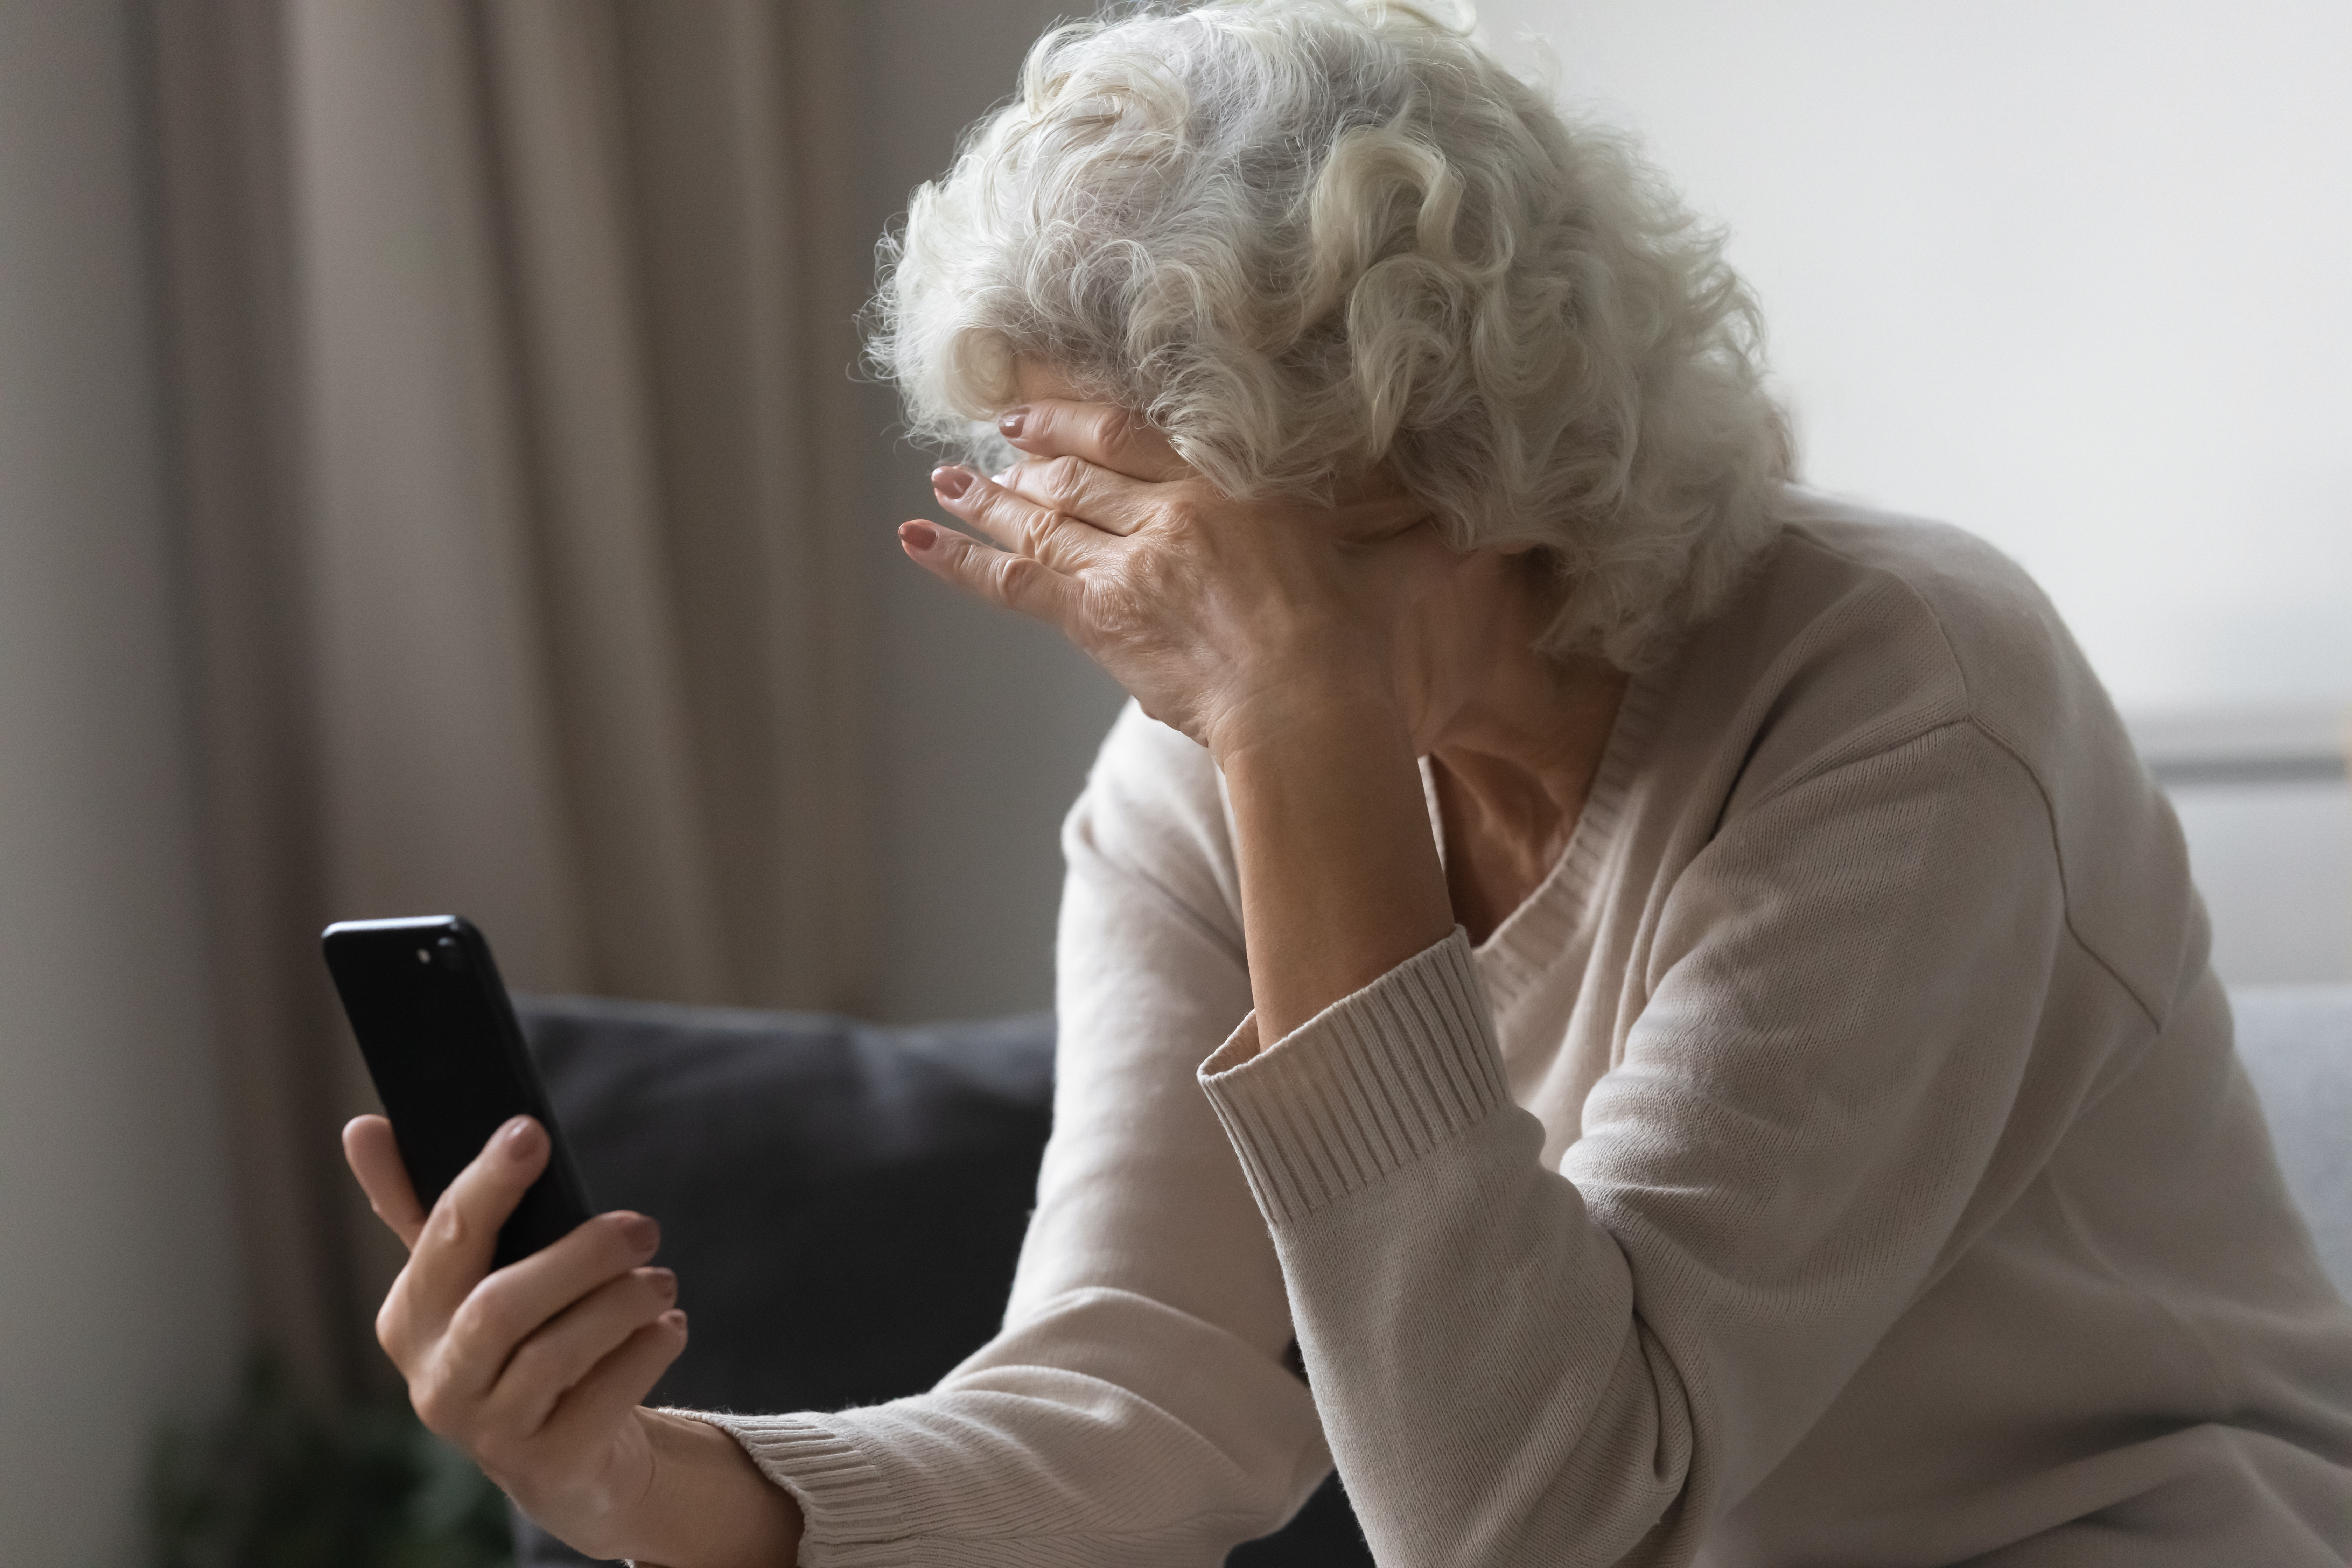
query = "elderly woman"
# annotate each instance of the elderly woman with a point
(1646, 1015)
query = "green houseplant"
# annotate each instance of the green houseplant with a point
(277, 1483)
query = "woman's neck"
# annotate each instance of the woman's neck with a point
(1513, 769)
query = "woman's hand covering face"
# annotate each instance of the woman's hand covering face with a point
(1229, 620)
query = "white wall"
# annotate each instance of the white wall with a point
(117, 1270)
(2066, 272)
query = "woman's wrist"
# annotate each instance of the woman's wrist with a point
(1341, 876)
(709, 1506)
(1302, 711)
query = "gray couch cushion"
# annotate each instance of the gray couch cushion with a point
(2297, 1043)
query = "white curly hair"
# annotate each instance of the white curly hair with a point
(1304, 237)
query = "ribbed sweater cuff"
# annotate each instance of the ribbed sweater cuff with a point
(1369, 1084)
(852, 1519)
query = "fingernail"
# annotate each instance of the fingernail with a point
(519, 1138)
(951, 481)
(1009, 423)
(642, 1232)
(664, 1281)
(674, 1318)
(917, 537)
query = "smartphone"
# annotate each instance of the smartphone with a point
(441, 1041)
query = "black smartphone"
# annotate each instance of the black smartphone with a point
(449, 1063)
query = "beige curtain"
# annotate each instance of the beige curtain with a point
(516, 458)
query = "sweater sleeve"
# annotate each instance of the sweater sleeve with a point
(1135, 1408)
(1517, 1364)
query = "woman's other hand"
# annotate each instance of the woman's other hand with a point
(1228, 620)
(538, 1370)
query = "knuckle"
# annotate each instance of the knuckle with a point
(1062, 478)
(1109, 427)
(448, 1226)
(477, 1319)
(530, 1361)
(1008, 516)
(1014, 574)
(1148, 577)
(955, 561)
(464, 1336)
(1038, 529)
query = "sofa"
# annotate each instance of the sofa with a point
(844, 1202)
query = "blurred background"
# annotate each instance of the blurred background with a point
(433, 477)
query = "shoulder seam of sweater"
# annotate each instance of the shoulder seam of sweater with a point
(1974, 720)
(2065, 883)
(2050, 826)
(1977, 721)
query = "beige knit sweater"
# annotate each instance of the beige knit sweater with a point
(1840, 1158)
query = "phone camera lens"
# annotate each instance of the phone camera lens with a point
(452, 955)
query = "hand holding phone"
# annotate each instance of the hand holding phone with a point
(528, 1331)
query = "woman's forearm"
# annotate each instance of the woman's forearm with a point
(709, 1506)
(1341, 876)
